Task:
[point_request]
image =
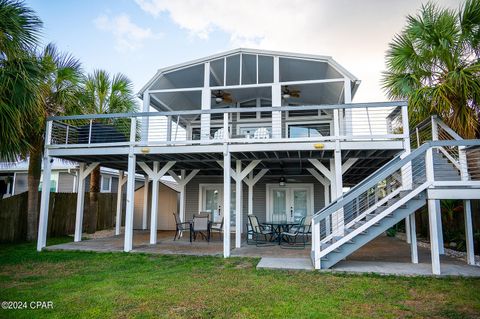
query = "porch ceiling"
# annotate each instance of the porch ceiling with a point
(285, 163)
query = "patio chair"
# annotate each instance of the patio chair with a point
(290, 238)
(261, 133)
(258, 231)
(200, 225)
(217, 227)
(180, 226)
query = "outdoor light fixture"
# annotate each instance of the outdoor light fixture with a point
(282, 181)
(286, 96)
(218, 99)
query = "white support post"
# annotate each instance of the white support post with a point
(80, 203)
(206, 103)
(238, 205)
(226, 201)
(250, 194)
(337, 217)
(154, 207)
(438, 209)
(145, 119)
(407, 229)
(434, 246)
(128, 244)
(145, 203)
(316, 245)
(432, 215)
(83, 172)
(347, 92)
(155, 175)
(118, 221)
(276, 99)
(413, 244)
(44, 203)
(469, 232)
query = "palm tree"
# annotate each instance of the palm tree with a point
(102, 94)
(57, 89)
(19, 74)
(435, 64)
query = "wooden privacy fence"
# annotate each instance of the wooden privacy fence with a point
(61, 217)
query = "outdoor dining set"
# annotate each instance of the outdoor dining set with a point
(287, 234)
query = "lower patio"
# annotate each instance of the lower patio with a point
(384, 255)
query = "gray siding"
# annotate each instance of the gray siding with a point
(259, 194)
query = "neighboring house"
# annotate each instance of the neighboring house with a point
(63, 178)
(14, 175)
(270, 134)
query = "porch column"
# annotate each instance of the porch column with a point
(238, 205)
(122, 179)
(337, 217)
(434, 244)
(128, 244)
(406, 170)
(276, 99)
(206, 104)
(83, 172)
(145, 119)
(326, 184)
(154, 207)
(432, 215)
(438, 208)
(155, 174)
(469, 232)
(44, 203)
(226, 201)
(413, 243)
(145, 203)
(182, 182)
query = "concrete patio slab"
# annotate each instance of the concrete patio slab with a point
(383, 255)
(285, 263)
(404, 269)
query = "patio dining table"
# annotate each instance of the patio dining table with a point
(278, 227)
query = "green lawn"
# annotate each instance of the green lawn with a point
(99, 285)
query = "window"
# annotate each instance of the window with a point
(53, 182)
(106, 184)
(309, 130)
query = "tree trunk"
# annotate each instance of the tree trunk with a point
(93, 206)
(34, 172)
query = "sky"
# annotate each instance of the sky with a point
(137, 37)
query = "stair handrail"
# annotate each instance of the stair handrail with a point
(383, 173)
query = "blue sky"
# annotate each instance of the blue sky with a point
(137, 37)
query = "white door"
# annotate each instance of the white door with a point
(290, 203)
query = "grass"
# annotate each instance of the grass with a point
(106, 285)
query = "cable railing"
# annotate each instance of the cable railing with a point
(404, 176)
(344, 122)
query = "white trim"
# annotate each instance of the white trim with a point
(290, 187)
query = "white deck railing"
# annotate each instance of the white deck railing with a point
(344, 122)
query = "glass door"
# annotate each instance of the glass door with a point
(279, 204)
(299, 208)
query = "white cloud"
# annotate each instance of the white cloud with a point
(355, 33)
(128, 35)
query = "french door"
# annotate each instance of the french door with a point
(290, 203)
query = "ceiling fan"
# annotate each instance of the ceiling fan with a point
(222, 96)
(288, 93)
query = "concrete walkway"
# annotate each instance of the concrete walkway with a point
(285, 263)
